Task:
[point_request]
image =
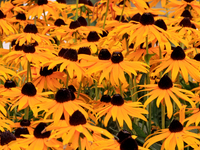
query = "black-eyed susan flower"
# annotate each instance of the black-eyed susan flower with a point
(164, 91)
(40, 140)
(8, 141)
(25, 97)
(48, 79)
(5, 26)
(77, 129)
(28, 54)
(123, 141)
(37, 9)
(120, 110)
(177, 63)
(69, 62)
(65, 103)
(194, 118)
(175, 136)
(25, 124)
(30, 35)
(112, 67)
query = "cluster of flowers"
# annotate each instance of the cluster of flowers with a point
(86, 76)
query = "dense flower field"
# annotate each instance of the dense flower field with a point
(114, 75)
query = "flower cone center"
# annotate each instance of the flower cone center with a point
(77, 118)
(122, 135)
(93, 36)
(186, 13)
(42, 2)
(82, 21)
(197, 57)
(21, 16)
(29, 89)
(147, 19)
(136, 17)
(129, 144)
(161, 24)
(84, 50)
(29, 48)
(25, 123)
(63, 95)
(185, 22)
(165, 82)
(105, 98)
(9, 84)
(62, 52)
(74, 24)
(104, 54)
(175, 126)
(2, 15)
(59, 22)
(117, 57)
(71, 55)
(40, 127)
(178, 54)
(20, 131)
(7, 137)
(45, 71)
(117, 100)
(30, 28)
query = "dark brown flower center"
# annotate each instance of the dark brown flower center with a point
(7, 137)
(31, 28)
(2, 15)
(37, 132)
(63, 95)
(175, 126)
(178, 54)
(147, 19)
(161, 24)
(21, 16)
(83, 1)
(77, 118)
(84, 50)
(61, 1)
(82, 21)
(165, 82)
(197, 57)
(104, 54)
(29, 48)
(90, 3)
(122, 135)
(72, 88)
(62, 52)
(93, 36)
(59, 22)
(71, 55)
(129, 144)
(20, 131)
(186, 13)
(45, 71)
(117, 100)
(9, 84)
(25, 123)
(117, 57)
(29, 89)
(136, 17)
(42, 2)
(105, 98)
(188, 1)
(185, 22)
(74, 24)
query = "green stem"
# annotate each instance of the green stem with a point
(28, 68)
(26, 113)
(79, 90)
(122, 11)
(35, 20)
(88, 15)
(148, 82)
(1, 44)
(163, 115)
(45, 18)
(131, 87)
(135, 89)
(107, 6)
(76, 16)
(79, 142)
(96, 91)
(120, 87)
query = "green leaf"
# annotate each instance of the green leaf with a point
(138, 131)
(147, 57)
